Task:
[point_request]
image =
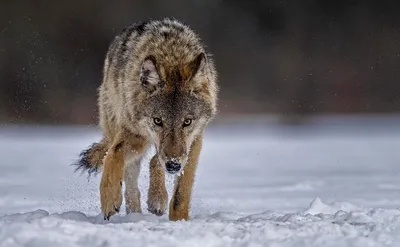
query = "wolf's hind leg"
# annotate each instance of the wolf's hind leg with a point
(132, 193)
(180, 202)
(157, 196)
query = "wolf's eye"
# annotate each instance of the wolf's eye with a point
(157, 121)
(187, 122)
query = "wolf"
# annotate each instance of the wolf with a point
(159, 88)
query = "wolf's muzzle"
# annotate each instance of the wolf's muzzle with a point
(172, 167)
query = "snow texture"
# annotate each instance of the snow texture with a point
(329, 183)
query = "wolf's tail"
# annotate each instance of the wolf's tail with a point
(91, 159)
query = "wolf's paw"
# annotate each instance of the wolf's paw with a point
(111, 197)
(132, 200)
(157, 202)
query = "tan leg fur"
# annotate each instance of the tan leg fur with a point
(157, 196)
(179, 205)
(113, 171)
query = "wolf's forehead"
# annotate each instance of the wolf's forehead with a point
(173, 76)
(179, 103)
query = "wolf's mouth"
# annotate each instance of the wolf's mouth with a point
(172, 172)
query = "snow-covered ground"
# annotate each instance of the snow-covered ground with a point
(332, 183)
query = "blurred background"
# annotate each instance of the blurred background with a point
(291, 59)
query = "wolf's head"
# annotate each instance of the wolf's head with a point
(181, 102)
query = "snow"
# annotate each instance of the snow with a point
(335, 182)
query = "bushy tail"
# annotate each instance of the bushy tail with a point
(91, 159)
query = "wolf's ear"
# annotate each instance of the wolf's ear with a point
(195, 67)
(149, 76)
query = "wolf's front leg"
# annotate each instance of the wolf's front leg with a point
(111, 181)
(113, 171)
(179, 205)
(157, 195)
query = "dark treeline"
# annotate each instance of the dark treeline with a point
(286, 57)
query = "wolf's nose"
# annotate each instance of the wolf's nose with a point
(172, 166)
